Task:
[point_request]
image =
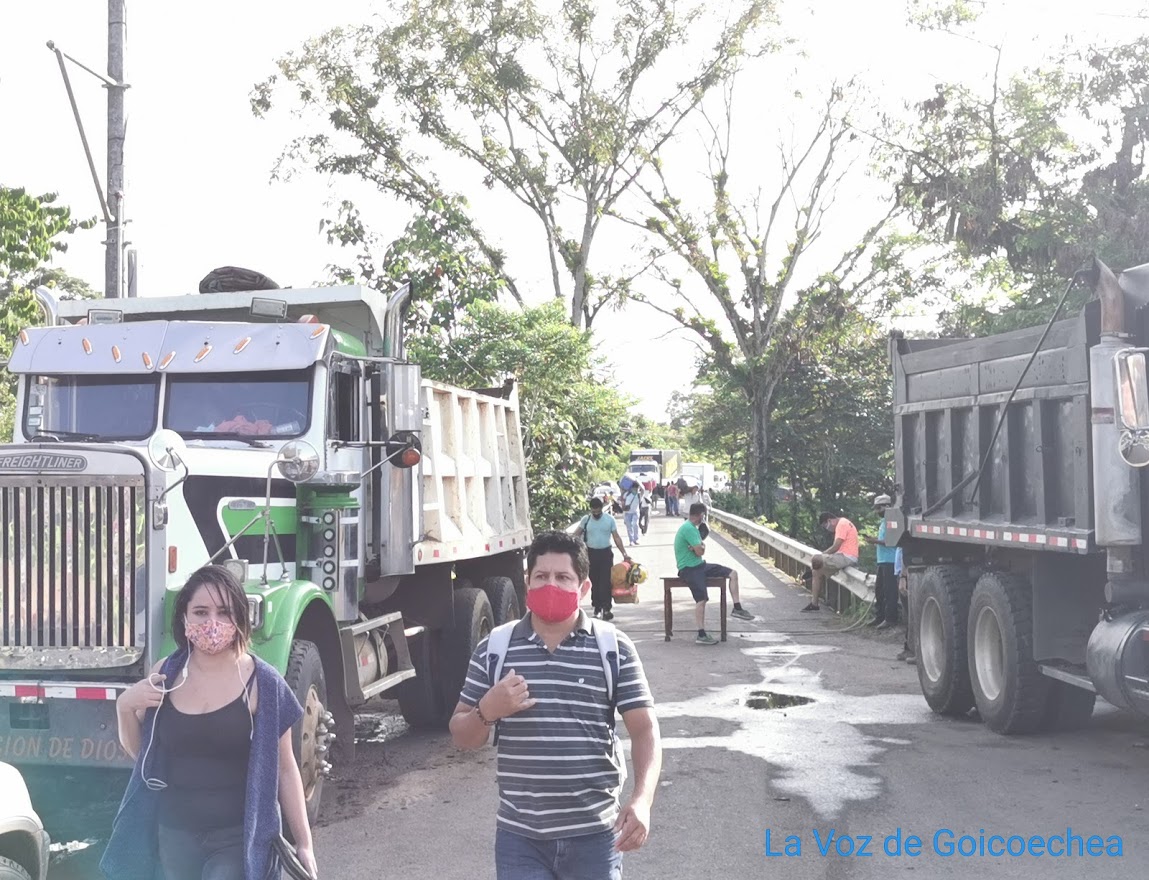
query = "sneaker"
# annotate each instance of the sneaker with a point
(885, 624)
(597, 613)
(912, 660)
(706, 639)
(741, 614)
(875, 622)
(904, 655)
(608, 615)
(812, 607)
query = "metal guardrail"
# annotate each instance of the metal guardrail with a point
(793, 557)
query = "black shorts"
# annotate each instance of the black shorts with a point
(696, 576)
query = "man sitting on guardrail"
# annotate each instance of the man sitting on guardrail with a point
(840, 555)
(688, 550)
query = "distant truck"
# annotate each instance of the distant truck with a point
(655, 467)
(702, 472)
(1022, 512)
(378, 521)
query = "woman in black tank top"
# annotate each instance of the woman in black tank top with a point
(198, 755)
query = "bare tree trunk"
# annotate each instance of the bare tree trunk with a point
(760, 418)
(795, 504)
(580, 311)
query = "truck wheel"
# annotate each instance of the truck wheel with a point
(10, 870)
(504, 599)
(420, 698)
(943, 605)
(1067, 707)
(1009, 689)
(473, 622)
(306, 680)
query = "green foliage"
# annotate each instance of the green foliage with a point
(572, 420)
(560, 110)
(30, 235)
(436, 253)
(1025, 179)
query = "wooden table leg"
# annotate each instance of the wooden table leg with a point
(722, 603)
(667, 614)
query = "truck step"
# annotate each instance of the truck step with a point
(1073, 675)
(387, 683)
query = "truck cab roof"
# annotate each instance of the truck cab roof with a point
(351, 310)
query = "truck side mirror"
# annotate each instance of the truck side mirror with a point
(1133, 406)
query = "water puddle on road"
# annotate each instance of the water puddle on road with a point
(771, 700)
(815, 748)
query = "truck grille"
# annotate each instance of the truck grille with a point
(70, 556)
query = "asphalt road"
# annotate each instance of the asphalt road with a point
(863, 759)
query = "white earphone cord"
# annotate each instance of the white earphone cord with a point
(156, 784)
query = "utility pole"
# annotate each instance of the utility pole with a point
(112, 207)
(117, 129)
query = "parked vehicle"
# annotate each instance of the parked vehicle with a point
(1022, 512)
(655, 466)
(702, 472)
(378, 521)
(23, 841)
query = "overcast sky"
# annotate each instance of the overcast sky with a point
(198, 162)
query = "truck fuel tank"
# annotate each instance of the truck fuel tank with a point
(1117, 659)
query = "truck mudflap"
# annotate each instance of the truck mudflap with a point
(62, 724)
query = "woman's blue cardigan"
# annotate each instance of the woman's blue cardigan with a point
(132, 851)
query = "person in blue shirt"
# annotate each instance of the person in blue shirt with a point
(886, 602)
(598, 529)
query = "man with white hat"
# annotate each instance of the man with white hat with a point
(886, 600)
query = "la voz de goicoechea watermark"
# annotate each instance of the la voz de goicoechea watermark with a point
(944, 842)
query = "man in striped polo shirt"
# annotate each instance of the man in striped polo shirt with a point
(560, 764)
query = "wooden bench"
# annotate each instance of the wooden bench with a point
(669, 583)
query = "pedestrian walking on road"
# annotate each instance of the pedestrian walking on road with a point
(210, 732)
(631, 509)
(560, 765)
(598, 530)
(689, 548)
(671, 499)
(886, 589)
(841, 554)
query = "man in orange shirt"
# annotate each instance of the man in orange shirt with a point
(841, 554)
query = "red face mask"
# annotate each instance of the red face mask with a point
(552, 603)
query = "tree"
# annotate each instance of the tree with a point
(1025, 178)
(446, 268)
(562, 111)
(772, 320)
(31, 233)
(572, 420)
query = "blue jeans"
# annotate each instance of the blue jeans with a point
(631, 520)
(588, 857)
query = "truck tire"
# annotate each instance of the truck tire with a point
(1008, 687)
(420, 698)
(10, 870)
(504, 599)
(943, 597)
(306, 679)
(1067, 707)
(473, 622)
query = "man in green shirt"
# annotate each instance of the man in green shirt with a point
(688, 550)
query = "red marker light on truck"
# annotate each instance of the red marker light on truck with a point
(173, 560)
(410, 457)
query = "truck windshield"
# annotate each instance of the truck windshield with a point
(91, 407)
(222, 405)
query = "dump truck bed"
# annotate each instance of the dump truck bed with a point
(948, 398)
